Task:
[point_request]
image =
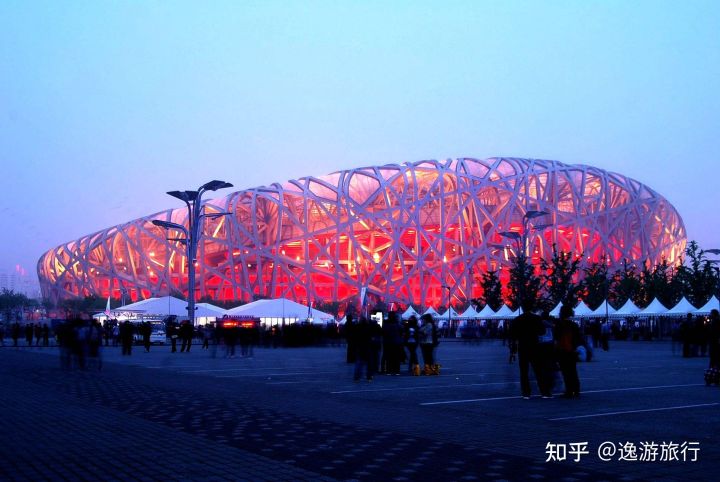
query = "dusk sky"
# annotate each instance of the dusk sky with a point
(105, 106)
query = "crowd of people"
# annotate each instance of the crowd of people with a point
(538, 342)
(384, 349)
(546, 345)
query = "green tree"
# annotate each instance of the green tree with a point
(12, 304)
(595, 285)
(625, 284)
(697, 275)
(524, 284)
(559, 276)
(491, 290)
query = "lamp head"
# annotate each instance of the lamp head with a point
(510, 234)
(534, 214)
(215, 185)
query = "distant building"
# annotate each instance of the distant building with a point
(20, 281)
(404, 231)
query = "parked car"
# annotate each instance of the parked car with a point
(158, 337)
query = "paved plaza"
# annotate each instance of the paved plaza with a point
(296, 414)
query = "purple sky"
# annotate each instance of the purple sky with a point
(105, 106)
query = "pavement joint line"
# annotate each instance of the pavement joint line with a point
(449, 402)
(273, 374)
(170, 366)
(424, 387)
(605, 414)
(242, 369)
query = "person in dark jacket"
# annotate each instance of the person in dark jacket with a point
(362, 334)
(392, 344)
(186, 333)
(525, 332)
(126, 337)
(411, 342)
(567, 340)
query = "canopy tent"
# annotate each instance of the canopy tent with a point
(712, 304)
(486, 312)
(654, 309)
(167, 306)
(683, 307)
(409, 312)
(556, 311)
(431, 311)
(505, 313)
(469, 314)
(628, 309)
(583, 310)
(453, 314)
(276, 310)
(604, 309)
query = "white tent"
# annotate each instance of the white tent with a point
(486, 312)
(682, 308)
(583, 310)
(162, 307)
(470, 314)
(274, 311)
(505, 313)
(556, 311)
(431, 311)
(712, 304)
(453, 314)
(409, 312)
(605, 308)
(628, 309)
(654, 309)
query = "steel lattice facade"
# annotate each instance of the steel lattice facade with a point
(404, 231)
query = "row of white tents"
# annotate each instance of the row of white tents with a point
(628, 310)
(274, 311)
(281, 310)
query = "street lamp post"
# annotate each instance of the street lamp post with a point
(716, 252)
(521, 239)
(193, 201)
(448, 310)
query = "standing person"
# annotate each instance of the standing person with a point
(126, 337)
(2, 334)
(392, 344)
(46, 334)
(186, 335)
(38, 334)
(349, 336)
(15, 333)
(712, 374)
(29, 334)
(375, 347)
(231, 336)
(362, 345)
(425, 340)
(546, 355)
(567, 340)
(172, 331)
(146, 332)
(411, 343)
(525, 331)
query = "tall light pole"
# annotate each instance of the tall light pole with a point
(449, 306)
(193, 201)
(716, 252)
(521, 240)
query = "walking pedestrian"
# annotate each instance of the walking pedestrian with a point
(411, 343)
(361, 342)
(427, 334)
(567, 340)
(525, 332)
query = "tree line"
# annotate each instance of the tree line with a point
(566, 279)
